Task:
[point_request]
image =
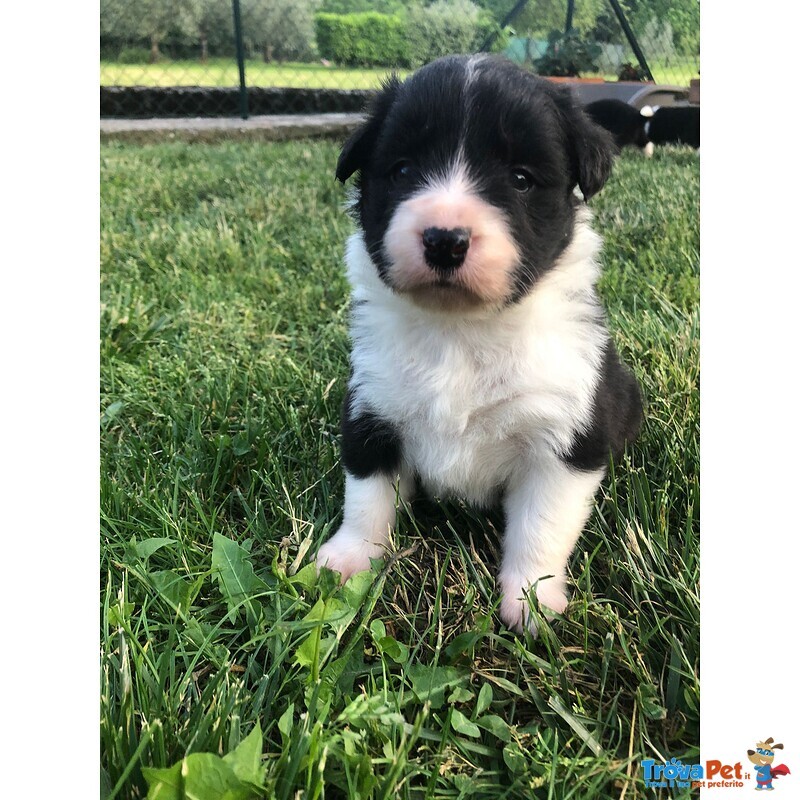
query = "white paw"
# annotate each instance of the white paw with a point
(515, 609)
(551, 596)
(516, 615)
(348, 554)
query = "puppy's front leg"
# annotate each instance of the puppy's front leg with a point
(545, 514)
(369, 517)
(371, 457)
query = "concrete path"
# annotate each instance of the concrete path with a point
(212, 129)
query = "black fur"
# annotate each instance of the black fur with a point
(667, 125)
(508, 118)
(676, 125)
(369, 444)
(616, 416)
(624, 122)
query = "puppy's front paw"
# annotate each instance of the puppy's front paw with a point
(551, 596)
(516, 614)
(348, 554)
(515, 609)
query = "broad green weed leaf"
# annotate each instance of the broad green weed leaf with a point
(119, 613)
(149, 546)
(497, 726)
(306, 577)
(514, 757)
(234, 572)
(430, 683)
(463, 643)
(356, 589)
(163, 784)
(460, 695)
(111, 411)
(397, 651)
(342, 672)
(207, 777)
(461, 724)
(305, 654)
(173, 588)
(485, 697)
(203, 637)
(246, 760)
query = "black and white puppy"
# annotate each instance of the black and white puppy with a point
(481, 363)
(648, 127)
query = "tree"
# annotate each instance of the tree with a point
(539, 17)
(282, 29)
(148, 20)
(209, 20)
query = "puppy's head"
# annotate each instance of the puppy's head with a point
(466, 179)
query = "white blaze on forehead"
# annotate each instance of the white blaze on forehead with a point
(451, 201)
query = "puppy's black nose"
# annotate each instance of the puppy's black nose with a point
(445, 248)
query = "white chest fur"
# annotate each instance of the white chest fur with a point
(474, 394)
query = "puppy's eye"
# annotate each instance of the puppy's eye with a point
(401, 171)
(521, 179)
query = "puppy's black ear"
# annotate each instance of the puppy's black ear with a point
(592, 148)
(358, 148)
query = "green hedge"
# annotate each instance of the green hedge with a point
(367, 39)
(409, 39)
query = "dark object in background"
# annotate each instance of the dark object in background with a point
(645, 128)
(675, 125)
(627, 72)
(624, 122)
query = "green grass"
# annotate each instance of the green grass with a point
(224, 361)
(223, 72)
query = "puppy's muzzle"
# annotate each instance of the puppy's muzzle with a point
(445, 249)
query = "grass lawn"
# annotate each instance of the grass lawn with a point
(224, 72)
(224, 361)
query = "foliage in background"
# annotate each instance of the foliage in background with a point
(657, 37)
(211, 22)
(539, 17)
(363, 39)
(408, 39)
(683, 17)
(224, 361)
(446, 27)
(281, 30)
(568, 55)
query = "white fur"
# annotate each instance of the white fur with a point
(482, 398)
(369, 516)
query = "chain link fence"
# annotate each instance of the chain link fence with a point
(184, 57)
